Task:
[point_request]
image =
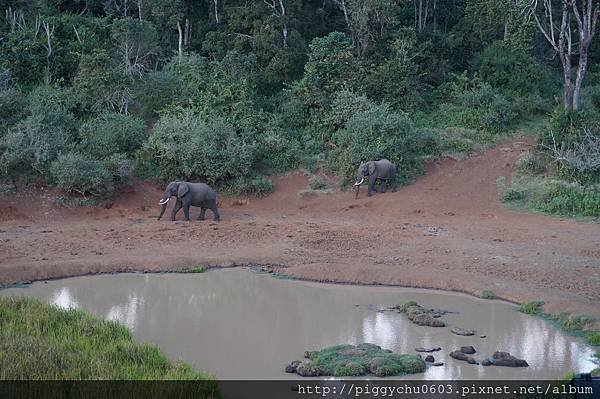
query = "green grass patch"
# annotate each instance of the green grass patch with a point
(198, 269)
(42, 342)
(593, 338)
(363, 359)
(488, 294)
(532, 307)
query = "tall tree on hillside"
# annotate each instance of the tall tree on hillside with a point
(569, 26)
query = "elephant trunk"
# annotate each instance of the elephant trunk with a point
(163, 207)
(163, 203)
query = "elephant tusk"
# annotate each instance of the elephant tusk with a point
(360, 182)
(162, 202)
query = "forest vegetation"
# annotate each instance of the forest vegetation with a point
(93, 92)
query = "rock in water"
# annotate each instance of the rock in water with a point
(437, 364)
(462, 331)
(419, 315)
(307, 368)
(469, 350)
(435, 349)
(462, 356)
(504, 359)
(430, 359)
(292, 367)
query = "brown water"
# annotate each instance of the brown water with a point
(238, 324)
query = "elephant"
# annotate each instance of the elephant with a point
(382, 169)
(190, 194)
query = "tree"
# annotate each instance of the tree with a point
(554, 19)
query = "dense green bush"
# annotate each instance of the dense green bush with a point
(482, 108)
(514, 71)
(530, 163)
(112, 133)
(76, 173)
(572, 199)
(250, 185)
(158, 90)
(13, 107)
(572, 141)
(331, 67)
(554, 196)
(374, 131)
(189, 147)
(30, 145)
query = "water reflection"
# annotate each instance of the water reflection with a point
(237, 324)
(63, 299)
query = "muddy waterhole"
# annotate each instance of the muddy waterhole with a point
(239, 324)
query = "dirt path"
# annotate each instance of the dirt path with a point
(446, 231)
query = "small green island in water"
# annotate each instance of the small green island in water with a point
(359, 360)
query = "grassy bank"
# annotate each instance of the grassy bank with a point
(40, 341)
(578, 325)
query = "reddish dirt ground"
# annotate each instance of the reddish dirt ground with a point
(447, 231)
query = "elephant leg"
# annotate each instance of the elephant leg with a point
(186, 212)
(383, 186)
(202, 212)
(372, 180)
(215, 211)
(176, 209)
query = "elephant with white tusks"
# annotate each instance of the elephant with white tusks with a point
(382, 169)
(190, 194)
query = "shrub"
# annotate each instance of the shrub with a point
(513, 71)
(571, 199)
(375, 132)
(112, 133)
(189, 147)
(481, 107)
(159, 89)
(530, 164)
(331, 67)
(532, 307)
(258, 186)
(316, 182)
(593, 338)
(75, 173)
(488, 294)
(30, 145)
(276, 152)
(13, 107)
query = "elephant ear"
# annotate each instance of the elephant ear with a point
(371, 167)
(182, 190)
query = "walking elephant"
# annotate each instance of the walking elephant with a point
(190, 194)
(382, 169)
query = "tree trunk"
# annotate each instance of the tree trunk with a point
(216, 8)
(285, 24)
(187, 34)
(581, 70)
(180, 41)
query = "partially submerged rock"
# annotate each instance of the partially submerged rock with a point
(420, 315)
(350, 360)
(292, 367)
(307, 368)
(462, 331)
(430, 359)
(469, 350)
(463, 356)
(504, 359)
(428, 350)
